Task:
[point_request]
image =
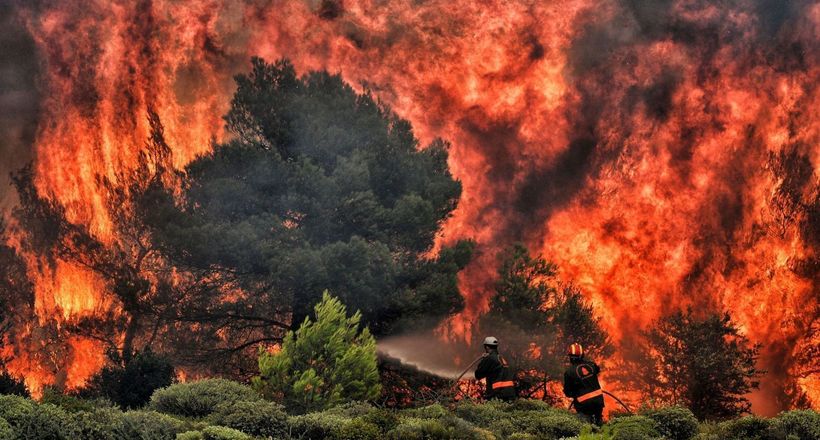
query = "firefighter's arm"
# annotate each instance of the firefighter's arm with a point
(483, 369)
(595, 368)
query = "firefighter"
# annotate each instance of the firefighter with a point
(581, 384)
(495, 369)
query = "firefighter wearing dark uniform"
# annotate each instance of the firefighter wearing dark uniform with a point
(494, 368)
(581, 384)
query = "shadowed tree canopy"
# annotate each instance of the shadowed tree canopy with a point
(322, 188)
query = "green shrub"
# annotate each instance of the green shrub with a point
(15, 409)
(223, 433)
(548, 425)
(449, 427)
(96, 425)
(351, 409)
(261, 419)
(481, 414)
(359, 429)
(434, 411)
(316, 426)
(744, 428)
(801, 424)
(521, 436)
(191, 435)
(326, 362)
(526, 405)
(383, 418)
(200, 398)
(675, 422)
(6, 431)
(46, 422)
(70, 403)
(146, 425)
(633, 428)
(130, 384)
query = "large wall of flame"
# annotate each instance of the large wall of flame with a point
(664, 153)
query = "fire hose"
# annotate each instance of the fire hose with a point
(571, 404)
(456, 382)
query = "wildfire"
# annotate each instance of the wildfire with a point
(648, 150)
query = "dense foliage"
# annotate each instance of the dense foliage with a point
(131, 384)
(237, 419)
(701, 362)
(324, 178)
(326, 362)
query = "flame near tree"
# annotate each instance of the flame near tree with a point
(664, 154)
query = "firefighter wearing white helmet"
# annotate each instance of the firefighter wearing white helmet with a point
(494, 368)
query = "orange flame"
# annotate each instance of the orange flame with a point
(636, 146)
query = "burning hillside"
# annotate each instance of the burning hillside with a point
(664, 154)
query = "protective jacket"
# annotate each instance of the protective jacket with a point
(581, 383)
(494, 368)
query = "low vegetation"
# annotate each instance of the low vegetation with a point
(243, 415)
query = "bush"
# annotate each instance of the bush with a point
(200, 398)
(521, 436)
(434, 411)
(191, 435)
(449, 427)
(383, 418)
(223, 433)
(46, 422)
(324, 363)
(803, 425)
(316, 426)
(359, 429)
(261, 419)
(480, 414)
(6, 431)
(675, 422)
(549, 425)
(15, 409)
(146, 425)
(131, 384)
(70, 403)
(96, 425)
(634, 428)
(351, 409)
(745, 428)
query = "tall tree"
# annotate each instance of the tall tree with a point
(702, 362)
(321, 188)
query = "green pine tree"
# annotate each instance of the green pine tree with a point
(323, 364)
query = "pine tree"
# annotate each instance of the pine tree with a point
(323, 363)
(702, 362)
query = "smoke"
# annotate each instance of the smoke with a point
(19, 98)
(632, 142)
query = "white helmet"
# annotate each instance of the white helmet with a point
(491, 341)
